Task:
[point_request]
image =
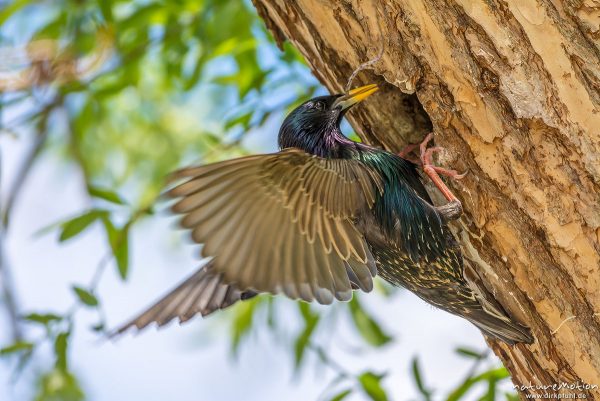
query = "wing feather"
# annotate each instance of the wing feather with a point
(281, 222)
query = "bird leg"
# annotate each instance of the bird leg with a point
(453, 209)
(408, 149)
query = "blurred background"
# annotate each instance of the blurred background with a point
(99, 101)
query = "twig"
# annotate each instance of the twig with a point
(326, 359)
(28, 162)
(8, 293)
(553, 332)
(369, 63)
(48, 63)
(25, 118)
(93, 285)
(476, 364)
(7, 286)
(99, 271)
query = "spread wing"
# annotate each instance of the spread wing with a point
(282, 222)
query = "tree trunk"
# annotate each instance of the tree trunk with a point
(511, 90)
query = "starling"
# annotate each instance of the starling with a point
(319, 219)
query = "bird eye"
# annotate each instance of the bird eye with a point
(319, 105)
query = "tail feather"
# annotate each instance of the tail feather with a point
(500, 327)
(490, 316)
(203, 292)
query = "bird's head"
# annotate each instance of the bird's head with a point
(315, 124)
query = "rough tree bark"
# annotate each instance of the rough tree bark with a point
(511, 89)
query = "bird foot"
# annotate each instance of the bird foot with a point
(425, 158)
(451, 210)
(434, 172)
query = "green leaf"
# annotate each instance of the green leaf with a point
(242, 321)
(76, 225)
(496, 374)
(371, 384)
(243, 120)
(118, 239)
(368, 328)
(106, 9)
(512, 397)
(19, 346)
(341, 395)
(59, 385)
(121, 252)
(233, 46)
(105, 194)
(470, 353)
(86, 297)
(383, 287)
(416, 371)
(143, 16)
(10, 9)
(490, 395)
(60, 350)
(303, 340)
(42, 318)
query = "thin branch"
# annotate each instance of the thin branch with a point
(7, 286)
(476, 364)
(93, 285)
(8, 294)
(27, 164)
(368, 64)
(22, 119)
(328, 361)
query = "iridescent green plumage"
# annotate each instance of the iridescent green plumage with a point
(404, 210)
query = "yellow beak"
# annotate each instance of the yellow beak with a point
(355, 96)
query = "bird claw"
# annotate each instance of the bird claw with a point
(434, 172)
(426, 156)
(426, 160)
(449, 173)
